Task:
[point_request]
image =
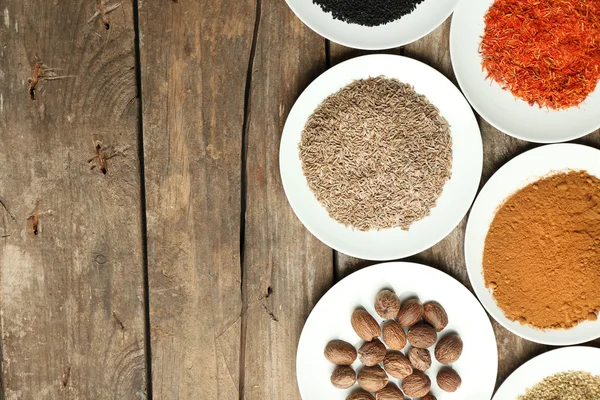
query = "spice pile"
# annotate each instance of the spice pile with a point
(409, 367)
(376, 154)
(542, 252)
(545, 52)
(574, 385)
(368, 13)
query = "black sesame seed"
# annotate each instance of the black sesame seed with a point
(368, 12)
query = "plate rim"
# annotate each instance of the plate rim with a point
(458, 217)
(502, 320)
(404, 264)
(493, 121)
(540, 358)
(398, 43)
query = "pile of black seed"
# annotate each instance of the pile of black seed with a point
(368, 12)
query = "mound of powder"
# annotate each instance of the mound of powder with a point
(542, 252)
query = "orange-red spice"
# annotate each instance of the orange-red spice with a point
(546, 52)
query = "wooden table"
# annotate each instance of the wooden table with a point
(148, 250)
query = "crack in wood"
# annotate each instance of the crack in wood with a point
(66, 376)
(101, 158)
(118, 321)
(33, 220)
(7, 211)
(41, 72)
(273, 317)
(244, 184)
(104, 153)
(226, 329)
(102, 11)
(36, 71)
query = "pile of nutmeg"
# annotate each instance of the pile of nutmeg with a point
(424, 322)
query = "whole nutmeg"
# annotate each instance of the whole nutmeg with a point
(372, 353)
(393, 335)
(387, 304)
(343, 377)
(428, 396)
(340, 352)
(365, 325)
(435, 315)
(449, 349)
(448, 380)
(360, 395)
(419, 358)
(390, 392)
(372, 379)
(397, 365)
(421, 336)
(416, 385)
(411, 312)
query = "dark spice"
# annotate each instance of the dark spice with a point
(368, 12)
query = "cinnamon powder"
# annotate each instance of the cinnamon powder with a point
(542, 252)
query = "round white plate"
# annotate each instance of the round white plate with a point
(425, 18)
(330, 319)
(514, 175)
(499, 107)
(550, 363)
(457, 195)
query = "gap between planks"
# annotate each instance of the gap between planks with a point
(243, 194)
(143, 220)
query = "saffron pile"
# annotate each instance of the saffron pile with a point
(546, 52)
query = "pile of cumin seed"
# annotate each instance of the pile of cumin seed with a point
(572, 385)
(376, 154)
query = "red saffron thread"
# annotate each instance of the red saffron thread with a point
(546, 52)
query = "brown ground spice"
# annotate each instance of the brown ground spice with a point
(542, 252)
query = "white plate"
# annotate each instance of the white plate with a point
(425, 18)
(458, 193)
(330, 319)
(550, 363)
(514, 175)
(499, 107)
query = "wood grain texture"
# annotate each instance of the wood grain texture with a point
(72, 296)
(336, 53)
(286, 269)
(434, 50)
(194, 59)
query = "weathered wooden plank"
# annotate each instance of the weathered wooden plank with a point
(336, 53)
(434, 50)
(71, 257)
(194, 59)
(194, 65)
(286, 269)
